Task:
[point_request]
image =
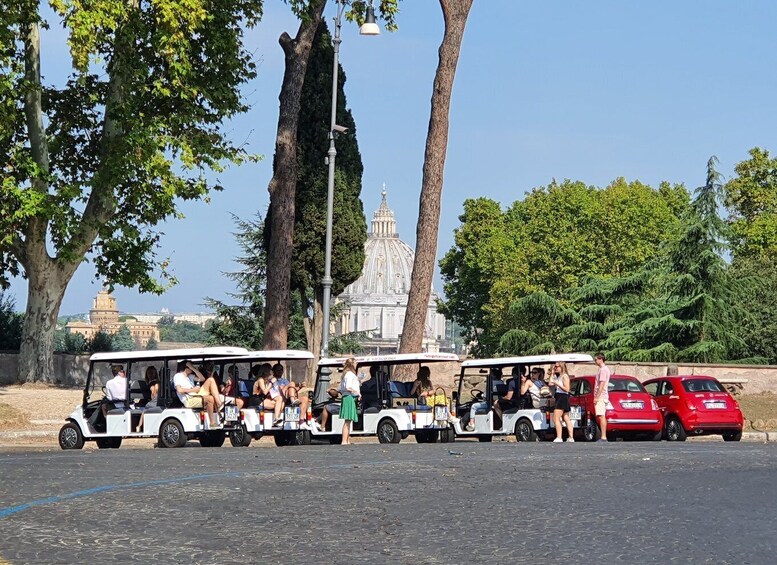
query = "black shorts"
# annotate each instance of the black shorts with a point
(562, 402)
(506, 404)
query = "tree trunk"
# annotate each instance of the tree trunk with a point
(282, 187)
(455, 13)
(313, 332)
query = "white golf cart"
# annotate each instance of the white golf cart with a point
(480, 383)
(107, 423)
(386, 409)
(256, 421)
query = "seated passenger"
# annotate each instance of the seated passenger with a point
(369, 388)
(209, 372)
(194, 396)
(152, 380)
(422, 387)
(332, 407)
(267, 392)
(468, 418)
(115, 390)
(227, 389)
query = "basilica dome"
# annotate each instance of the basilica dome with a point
(377, 300)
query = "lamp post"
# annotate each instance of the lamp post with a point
(369, 27)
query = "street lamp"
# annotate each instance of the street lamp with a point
(369, 27)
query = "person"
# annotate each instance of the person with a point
(601, 394)
(422, 387)
(332, 407)
(369, 387)
(350, 390)
(514, 396)
(560, 380)
(208, 371)
(266, 392)
(538, 381)
(115, 390)
(152, 380)
(194, 396)
(227, 389)
(538, 376)
(288, 388)
(468, 419)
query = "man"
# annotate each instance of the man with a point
(192, 396)
(601, 396)
(513, 397)
(115, 390)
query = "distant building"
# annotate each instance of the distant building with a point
(104, 316)
(199, 318)
(377, 301)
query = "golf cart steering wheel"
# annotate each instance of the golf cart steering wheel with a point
(477, 394)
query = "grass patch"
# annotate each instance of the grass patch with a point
(760, 411)
(11, 418)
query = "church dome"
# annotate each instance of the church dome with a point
(388, 262)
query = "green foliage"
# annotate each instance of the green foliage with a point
(351, 343)
(100, 342)
(123, 340)
(184, 332)
(10, 324)
(65, 342)
(152, 344)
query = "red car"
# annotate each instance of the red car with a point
(696, 405)
(631, 411)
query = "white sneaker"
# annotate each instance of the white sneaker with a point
(304, 426)
(558, 440)
(454, 420)
(571, 440)
(470, 427)
(315, 426)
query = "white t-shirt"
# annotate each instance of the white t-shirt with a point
(116, 389)
(185, 381)
(603, 382)
(350, 384)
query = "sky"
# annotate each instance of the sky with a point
(588, 91)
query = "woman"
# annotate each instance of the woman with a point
(560, 380)
(227, 389)
(422, 387)
(152, 380)
(350, 391)
(267, 393)
(530, 393)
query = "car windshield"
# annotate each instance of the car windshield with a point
(702, 385)
(625, 385)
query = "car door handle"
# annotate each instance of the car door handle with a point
(674, 397)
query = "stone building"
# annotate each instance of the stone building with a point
(376, 302)
(104, 316)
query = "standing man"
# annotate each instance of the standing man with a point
(601, 396)
(115, 390)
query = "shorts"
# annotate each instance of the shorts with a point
(600, 409)
(562, 402)
(194, 401)
(333, 408)
(506, 404)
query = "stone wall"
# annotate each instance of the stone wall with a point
(69, 370)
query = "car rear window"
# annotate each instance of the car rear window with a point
(702, 385)
(625, 385)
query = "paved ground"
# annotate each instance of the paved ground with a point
(445, 503)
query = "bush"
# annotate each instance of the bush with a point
(10, 324)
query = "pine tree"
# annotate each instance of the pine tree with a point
(123, 340)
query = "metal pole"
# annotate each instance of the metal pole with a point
(326, 282)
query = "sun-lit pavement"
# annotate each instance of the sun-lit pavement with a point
(445, 503)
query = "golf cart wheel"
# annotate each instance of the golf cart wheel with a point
(524, 431)
(732, 436)
(212, 439)
(300, 437)
(388, 432)
(591, 431)
(281, 439)
(171, 434)
(108, 442)
(673, 430)
(70, 437)
(239, 437)
(485, 439)
(447, 435)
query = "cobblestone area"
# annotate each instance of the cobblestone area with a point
(453, 503)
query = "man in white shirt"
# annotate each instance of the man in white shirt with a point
(193, 396)
(115, 389)
(601, 395)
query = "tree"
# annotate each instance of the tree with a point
(455, 13)
(123, 340)
(10, 324)
(92, 166)
(152, 344)
(100, 342)
(282, 188)
(349, 230)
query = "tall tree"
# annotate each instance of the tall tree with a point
(91, 167)
(455, 13)
(122, 340)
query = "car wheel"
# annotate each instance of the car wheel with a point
(108, 442)
(448, 435)
(524, 431)
(388, 432)
(732, 436)
(239, 437)
(70, 437)
(212, 439)
(485, 439)
(171, 434)
(591, 431)
(673, 430)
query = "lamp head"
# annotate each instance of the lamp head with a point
(369, 27)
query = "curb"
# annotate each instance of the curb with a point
(759, 436)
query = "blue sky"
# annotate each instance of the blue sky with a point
(589, 91)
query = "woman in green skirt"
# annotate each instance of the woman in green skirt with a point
(350, 391)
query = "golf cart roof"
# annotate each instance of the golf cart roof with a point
(270, 355)
(394, 359)
(529, 360)
(187, 353)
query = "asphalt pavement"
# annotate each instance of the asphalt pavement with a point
(431, 503)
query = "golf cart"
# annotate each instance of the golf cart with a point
(386, 409)
(108, 423)
(480, 383)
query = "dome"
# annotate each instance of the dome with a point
(388, 262)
